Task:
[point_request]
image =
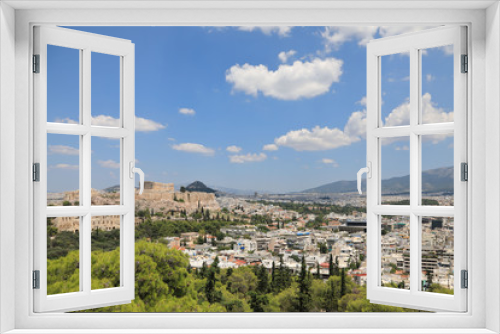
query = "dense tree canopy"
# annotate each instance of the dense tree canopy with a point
(165, 283)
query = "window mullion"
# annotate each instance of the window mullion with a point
(85, 182)
(414, 169)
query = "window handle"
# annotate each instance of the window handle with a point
(139, 171)
(368, 171)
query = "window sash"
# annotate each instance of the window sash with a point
(86, 297)
(413, 42)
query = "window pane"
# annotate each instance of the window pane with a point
(106, 178)
(395, 252)
(63, 165)
(395, 170)
(105, 252)
(63, 84)
(395, 89)
(63, 255)
(437, 254)
(437, 85)
(105, 90)
(437, 170)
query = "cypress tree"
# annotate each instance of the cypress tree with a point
(342, 283)
(203, 271)
(273, 279)
(331, 299)
(304, 295)
(263, 283)
(330, 265)
(215, 265)
(210, 287)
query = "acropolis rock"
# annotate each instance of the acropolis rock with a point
(161, 197)
(157, 197)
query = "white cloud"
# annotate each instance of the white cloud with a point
(187, 111)
(334, 37)
(429, 77)
(283, 31)
(249, 157)
(433, 114)
(171, 139)
(141, 124)
(147, 125)
(270, 147)
(65, 120)
(194, 148)
(104, 120)
(316, 139)
(109, 164)
(399, 115)
(327, 161)
(320, 139)
(288, 82)
(402, 148)
(233, 149)
(362, 102)
(430, 113)
(285, 55)
(355, 127)
(63, 149)
(64, 166)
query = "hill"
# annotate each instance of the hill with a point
(438, 180)
(198, 186)
(113, 189)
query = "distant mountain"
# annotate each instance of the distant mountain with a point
(198, 186)
(438, 180)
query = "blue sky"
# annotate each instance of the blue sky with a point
(266, 108)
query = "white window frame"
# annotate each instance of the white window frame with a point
(86, 44)
(484, 49)
(413, 43)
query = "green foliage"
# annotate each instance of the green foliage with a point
(281, 278)
(242, 281)
(63, 274)
(357, 302)
(164, 282)
(60, 244)
(105, 240)
(436, 288)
